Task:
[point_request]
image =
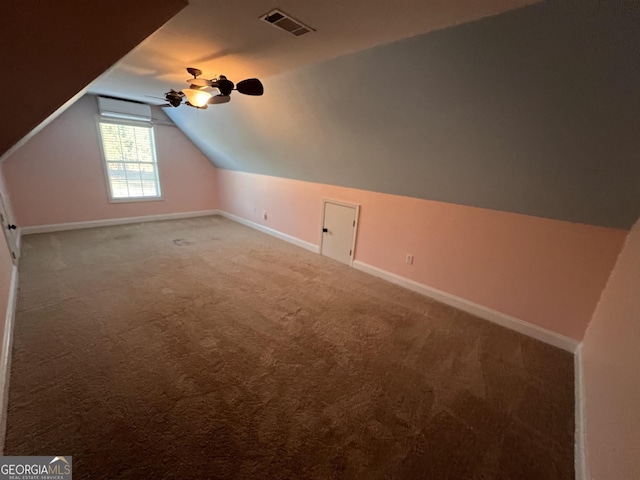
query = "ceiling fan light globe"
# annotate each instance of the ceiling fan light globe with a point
(219, 99)
(197, 98)
(204, 107)
(199, 82)
(213, 91)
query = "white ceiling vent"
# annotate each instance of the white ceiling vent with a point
(110, 107)
(279, 19)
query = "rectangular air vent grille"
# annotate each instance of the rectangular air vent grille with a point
(286, 22)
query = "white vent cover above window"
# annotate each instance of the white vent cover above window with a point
(110, 107)
(279, 19)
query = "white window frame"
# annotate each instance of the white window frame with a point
(133, 123)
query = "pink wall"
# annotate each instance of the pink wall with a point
(611, 355)
(58, 175)
(546, 272)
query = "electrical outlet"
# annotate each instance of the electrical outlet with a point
(409, 260)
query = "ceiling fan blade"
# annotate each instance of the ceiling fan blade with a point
(250, 86)
(196, 72)
(219, 99)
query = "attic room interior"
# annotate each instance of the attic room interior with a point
(394, 240)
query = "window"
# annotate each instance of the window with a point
(130, 159)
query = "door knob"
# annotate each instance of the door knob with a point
(324, 230)
(11, 227)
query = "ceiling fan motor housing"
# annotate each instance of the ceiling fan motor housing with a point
(225, 86)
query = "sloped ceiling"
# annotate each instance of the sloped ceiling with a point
(229, 38)
(535, 111)
(51, 51)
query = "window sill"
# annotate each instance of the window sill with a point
(135, 199)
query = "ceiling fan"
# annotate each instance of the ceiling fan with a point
(203, 92)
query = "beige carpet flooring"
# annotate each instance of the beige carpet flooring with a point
(202, 349)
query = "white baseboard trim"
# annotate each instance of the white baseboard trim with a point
(529, 329)
(580, 435)
(5, 355)
(59, 227)
(270, 231)
(494, 316)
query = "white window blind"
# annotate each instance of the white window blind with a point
(130, 159)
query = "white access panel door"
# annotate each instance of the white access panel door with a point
(338, 231)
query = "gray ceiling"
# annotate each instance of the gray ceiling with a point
(535, 111)
(222, 37)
